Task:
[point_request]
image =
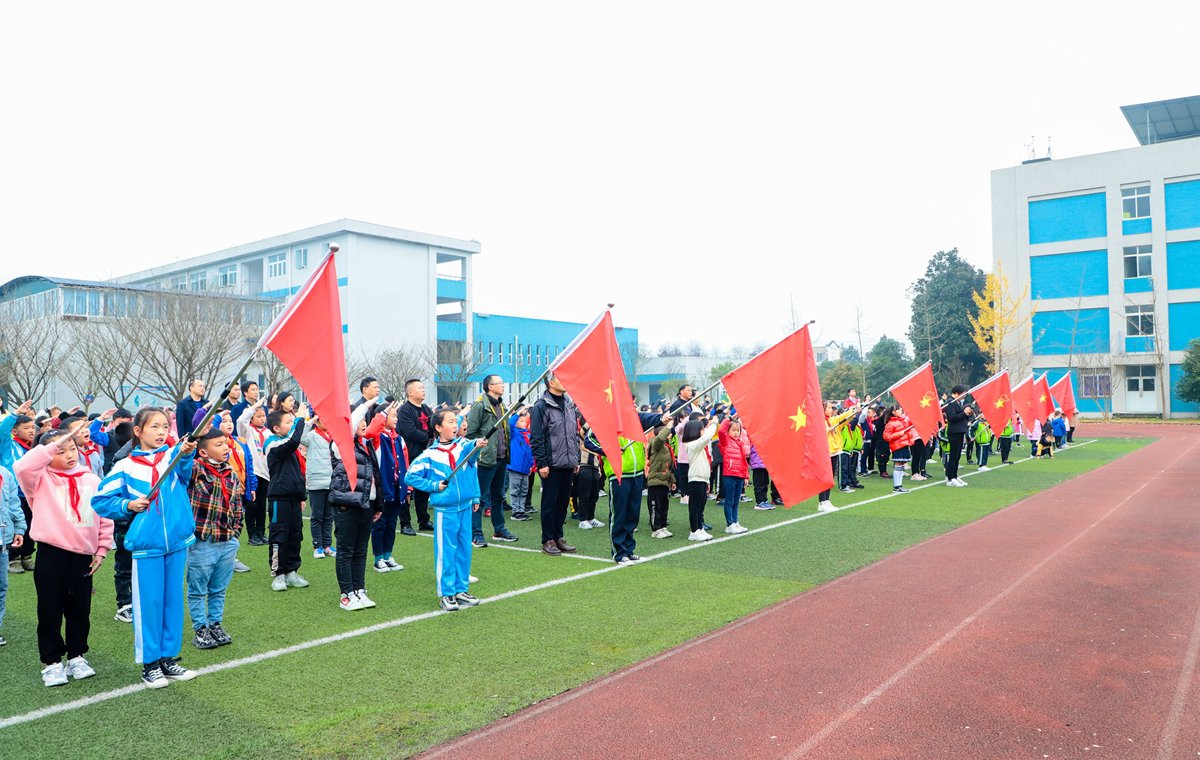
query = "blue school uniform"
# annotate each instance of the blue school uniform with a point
(452, 509)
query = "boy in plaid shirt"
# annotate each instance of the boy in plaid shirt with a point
(215, 492)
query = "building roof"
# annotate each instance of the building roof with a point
(32, 284)
(322, 232)
(1164, 120)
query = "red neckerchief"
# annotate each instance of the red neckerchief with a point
(72, 489)
(153, 464)
(262, 436)
(448, 451)
(324, 434)
(89, 448)
(303, 464)
(216, 473)
(235, 453)
(390, 437)
(22, 444)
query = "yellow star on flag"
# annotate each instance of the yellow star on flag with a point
(608, 391)
(925, 402)
(800, 419)
(1001, 401)
(1043, 398)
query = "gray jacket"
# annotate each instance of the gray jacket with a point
(317, 464)
(554, 432)
(12, 519)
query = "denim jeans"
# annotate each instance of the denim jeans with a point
(209, 571)
(518, 491)
(383, 532)
(733, 496)
(491, 496)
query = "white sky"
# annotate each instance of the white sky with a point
(696, 163)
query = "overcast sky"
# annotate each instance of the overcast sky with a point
(698, 164)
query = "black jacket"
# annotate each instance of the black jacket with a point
(184, 412)
(413, 422)
(957, 419)
(368, 474)
(554, 432)
(287, 479)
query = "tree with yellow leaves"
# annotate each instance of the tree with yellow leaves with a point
(998, 317)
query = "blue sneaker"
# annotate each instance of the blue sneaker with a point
(505, 536)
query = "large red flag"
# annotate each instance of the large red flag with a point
(778, 397)
(307, 338)
(994, 399)
(918, 395)
(1043, 401)
(1022, 396)
(591, 371)
(1063, 392)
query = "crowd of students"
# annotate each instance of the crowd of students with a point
(171, 496)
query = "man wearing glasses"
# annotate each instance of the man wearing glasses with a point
(493, 460)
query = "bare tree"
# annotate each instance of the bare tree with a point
(100, 363)
(670, 349)
(634, 357)
(31, 351)
(858, 332)
(457, 364)
(396, 366)
(695, 348)
(276, 376)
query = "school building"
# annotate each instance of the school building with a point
(1109, 248)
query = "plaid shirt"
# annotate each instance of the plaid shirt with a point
(216, 496)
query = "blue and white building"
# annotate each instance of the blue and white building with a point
(1109, 247)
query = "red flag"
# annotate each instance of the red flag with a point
(591, 371)
(778, 397)
(918, 395)
(307, 338)
(1043, 401)
(994, 399)
(1022, 397)
(1063, 392)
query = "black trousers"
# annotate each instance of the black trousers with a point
(352, 528)
(122, 567)
(27, 548)
(697, 492)
(714, 480)
(64, 589)
(1005, 449)
(833, 464)
(956, 448)
(681, 472)
(883, 453)
(761, 480)
(866, 462)
(587, 492)
(920, 455)
(970, 448)
(659, 500)
(286, 536)
(256, 513)
(420, 499)
(556, 494)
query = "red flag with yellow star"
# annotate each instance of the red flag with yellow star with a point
(1043, 401)
(1022, 396)
(778, 399)
(918, 395)
(1064, 394)
(994, 399)
(591, 371)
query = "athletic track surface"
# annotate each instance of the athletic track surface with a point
(1064, 626)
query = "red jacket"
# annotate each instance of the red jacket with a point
(899, 432)
(733, 453)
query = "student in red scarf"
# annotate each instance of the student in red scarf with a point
(243, 468)
(17, 433)
(215, 493)
(74, 541)
(285, 499)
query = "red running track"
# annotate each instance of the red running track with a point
(1064, 626)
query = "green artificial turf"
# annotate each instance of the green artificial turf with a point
(400, 690)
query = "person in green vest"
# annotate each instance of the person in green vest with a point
(983, 442)
(852, 444)
(1006, 439)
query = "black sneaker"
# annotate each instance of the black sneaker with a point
(505, 536)
(478, 542)
(173, 671)
(427, 527)
(217, 633)
(899, 489)
(407, 531)
(202, 639)
(465, 600)
(520, 517)
(153, 678)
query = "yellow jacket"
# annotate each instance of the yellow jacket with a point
(833, 427)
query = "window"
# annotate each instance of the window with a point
(277, 265)
(199, 281)
(300, 255)
(491, 354)
(500, 351)
(1095, 383)
(1137, 261)
(114, 305)
(1135, 202)
(93, 303)
(74, 302)
(179, 282)
(227, 276)
(1139, 378)
(511, 357)
(1139, 320)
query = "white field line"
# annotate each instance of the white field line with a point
(124, 691)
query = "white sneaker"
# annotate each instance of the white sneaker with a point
(735, 529)
(363, 599)
(54, 675)
(318, 554)
(952, 483)
(393, 565)
(78, 668)
(696, 535)
(294, 580)
(381, 566)
(683, 500)
(585, 524)
(239, 566)
(826, 506)
(983, 468)
(597, 524)
(279, 583)
(472, 579)
(961, 483)
(350, 602)
(658, 533)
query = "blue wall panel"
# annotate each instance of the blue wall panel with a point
(540, 339)
(1183, 204)
(1184, 322)
(1078, 217)
(1137, 285)
(452, 289)
(1069, 275)
(1140, 344)
(1054, 374)
(1061, 332)
(1178, 404)
(447, 330)
(1183, 265)
(1135, 226)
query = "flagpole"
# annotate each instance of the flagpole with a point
(743, 364)
(985, 382)
(906, 378)
(192, 436)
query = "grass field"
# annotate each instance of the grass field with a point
(403, 688)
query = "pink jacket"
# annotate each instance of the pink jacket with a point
(56, 522)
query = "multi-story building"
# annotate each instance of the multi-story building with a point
(1108, 246)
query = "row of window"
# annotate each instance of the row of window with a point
(78, 302)
(277, 263)
(492, 352)
(1097, 383)
(227, 276)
